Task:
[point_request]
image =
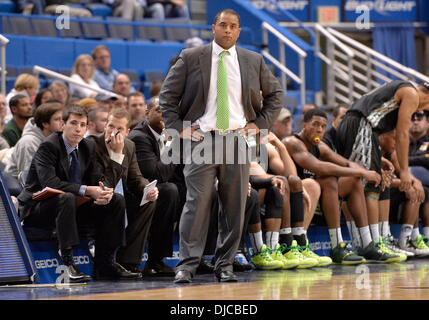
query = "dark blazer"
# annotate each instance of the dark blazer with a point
(50, 168)
(132, 179)
(148, 156)
(184, 92)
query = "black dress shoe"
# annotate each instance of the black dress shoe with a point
(158, 268)
(113, 272)
(239, 267)
(72, 274)
(183, 276)
(226, 276)
(131, 268)
(205, 267)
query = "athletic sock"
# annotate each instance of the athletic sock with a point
(336, 236)
(271, 238)
(375, 234)
(256, 241)
(415, 233)
(365, 236)
(426, 231)
(406, 230)
(286, 236)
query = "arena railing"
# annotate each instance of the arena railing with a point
(56, 75)
(361, 68)
(4, 42)
(281, 62)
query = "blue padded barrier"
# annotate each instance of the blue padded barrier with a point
(15, 54)
(141, 55)
(49, 52)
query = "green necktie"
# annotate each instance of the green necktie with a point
(222, 121)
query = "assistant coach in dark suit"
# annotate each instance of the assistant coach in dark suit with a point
(148, 139)
(212, 94)
(116, 156)
(66, 161)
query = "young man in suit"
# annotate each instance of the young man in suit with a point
(149, 141)
(66, 161)
(211, 96)
(116, 155)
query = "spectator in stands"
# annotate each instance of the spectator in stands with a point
(136, 106)
(83, 72)
(161, 9)
(122, 85)
(43, 96)
(97, 119)
(22, 111)
(60, 92)
(52, 8)
(27, 85)
(149, 140)
(88, 103)
(104, 74)
(66, 161)
(127, 9)
(155, 88)
(47, 119)
(282, 127)
(113, 150)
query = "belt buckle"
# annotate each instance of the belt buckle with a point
(223, 132)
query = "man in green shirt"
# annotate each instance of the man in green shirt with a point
(22, 111)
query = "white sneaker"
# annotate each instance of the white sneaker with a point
(415, 247)
(392, 244)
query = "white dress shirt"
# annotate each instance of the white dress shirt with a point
(237, 118)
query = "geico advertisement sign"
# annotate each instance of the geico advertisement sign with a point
(53, 263)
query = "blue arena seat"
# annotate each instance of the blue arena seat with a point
(95, 29)
(123, 31)
(44, 27)
(21, 25)
(99, 9)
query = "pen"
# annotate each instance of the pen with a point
(108, 141)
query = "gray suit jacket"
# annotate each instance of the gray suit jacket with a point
(184, 93)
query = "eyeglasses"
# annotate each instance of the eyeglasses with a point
(417, 116)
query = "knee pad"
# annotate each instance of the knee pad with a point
(273, 203)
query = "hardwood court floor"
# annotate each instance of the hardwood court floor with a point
(399, 281)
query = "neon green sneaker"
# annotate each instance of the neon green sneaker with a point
(295, 253)
(264, 261)
(277, 254)
(419, 243)
(340, 254)
(382, 245)
(322, 260)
